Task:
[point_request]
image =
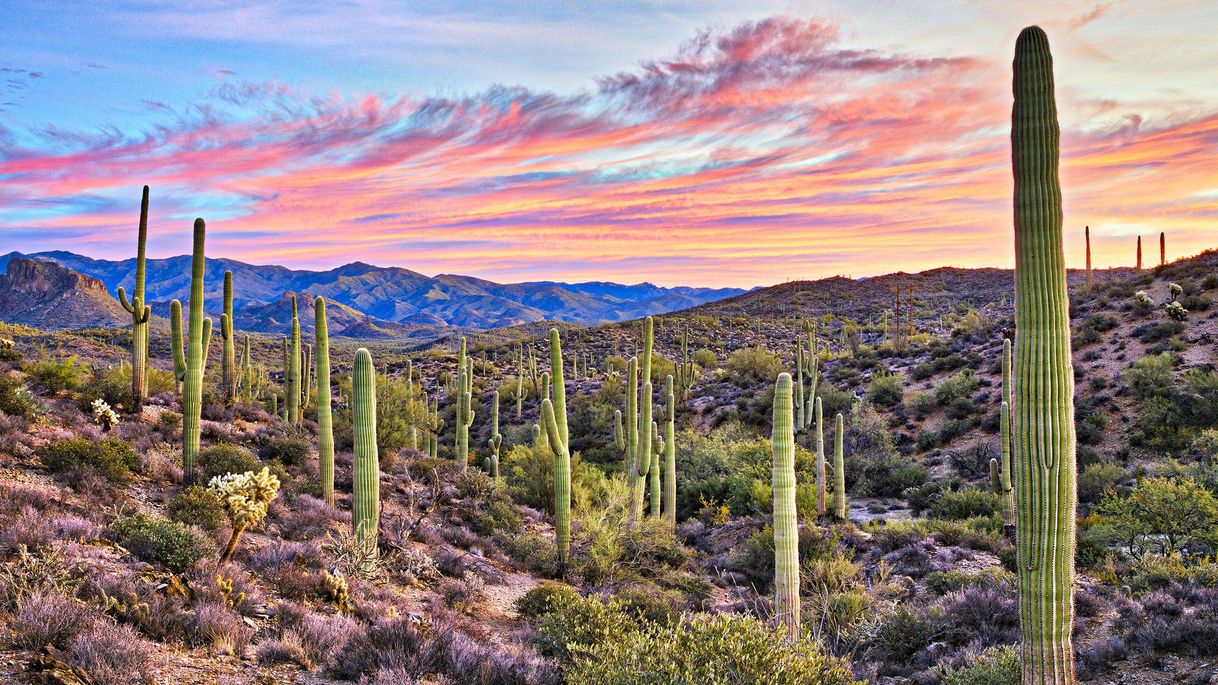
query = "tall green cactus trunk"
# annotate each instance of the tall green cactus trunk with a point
(643, 455)
(1005, 490)
(839, 470)
(798, 395)
(820, 459)
(228, 364)
(1162, 248)
(657, 446)
(366, 471)
(554, 416)
(140, 313)
(670, 458)
(292, 389)
(496, 440)
(520, 384)
(1045, 468)
(325, 423)
(786, 522)
(1087, 238)
(1139, 253)
(190, 370)
(465, 414)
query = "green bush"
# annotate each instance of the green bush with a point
(111, 458)
(903, 634)
(722, 649)
(546, 597)
(958, 386)
(920, 403)
(158, 540)
(287, 449)
(500, 516)
(995, 666)
(705, 359)
(886, 389)
(965, 504)
(225, 458)
(750, 366)
(16, 399)
(54, 375)
(199, 506)
(1164, 515)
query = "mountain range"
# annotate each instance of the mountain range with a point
(376, 301)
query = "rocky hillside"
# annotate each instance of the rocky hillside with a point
(47, 296)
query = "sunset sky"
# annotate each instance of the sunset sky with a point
(698, 142)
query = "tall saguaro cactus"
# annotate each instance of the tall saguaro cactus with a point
(325, 422)
(670, 458)
(820, 458)
(1045, 468)
(366, 471)
(839, 469)
(1139, 252)
(228, 366)
(642, 454)
(465, 414)
(786, 525)
(190, 369)
(1087, 237)
(292, 387)
(496, 440)
(554, 416)
(140, 313)
(1162, 248)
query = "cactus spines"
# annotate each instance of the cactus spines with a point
(196, 357)
(995, 477)
(325, 424)
(140, 313)
(554, 416)
(496, 440)
(365, 479)
(839, 469)
(1045, 468)
(292, 387)
(670, 459)
(786, 526)
(1087, 238)
(228, 363)
(465, 414)
(820, 459)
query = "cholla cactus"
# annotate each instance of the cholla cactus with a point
(1177, 311)
(7, 345)
(245, 497)
(1142, 298)
(103, 415)
(1175, 290)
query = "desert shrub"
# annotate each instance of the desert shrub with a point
(886, 389)
(499, 516)
(532, 549)
(750, 366)
(111, 458)
(16, 399)
(1164, 515)
(49, 618)
(659, 607)
(1097, 479)
(54, 375)
(114, 655)
(287, 449)
(920, 403)
(705, 359)
(158, 540)
(396, 412)
(995, 666)
(902, 635)
(965, 503)
(225, 458)
(463, 594)
(546, 597)
(957, 386)
(710, 650)
(887, 475)
(728, 465)
(198, 506)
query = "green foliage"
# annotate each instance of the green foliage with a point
(958, 386)
(705, 359)
(886, 389)
(1163, 515)
(16, 399)
(196, 505)
(1151, 376)
(546, 597)
(607, 644)
(727, 465)
(113, 384)
(158, 540)
(750, 366)
(965, 504)
(903, 634)
(111, 458)
(55, 375)
(289, 450)
(395, 414)
(995, 666)
(1097, 479)
(225, 458)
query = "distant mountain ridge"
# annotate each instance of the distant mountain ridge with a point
(48, 296)
(388, 297)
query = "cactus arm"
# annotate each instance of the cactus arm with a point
(786, 527)
(292, 367)
(325, 422)
(175, 336)
(122, 299)
(839, 470)
(670, 459)
(554, 416)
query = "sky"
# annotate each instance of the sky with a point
(684, 142)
